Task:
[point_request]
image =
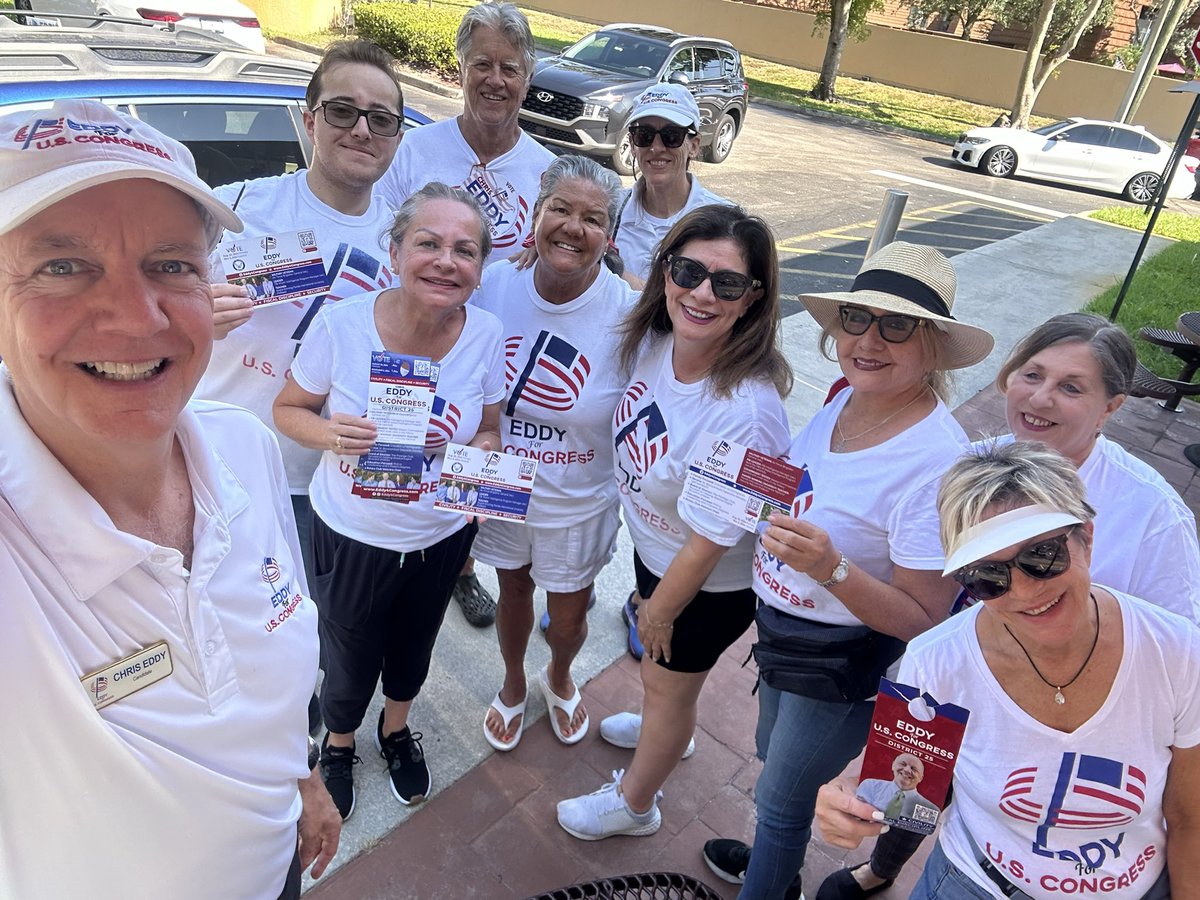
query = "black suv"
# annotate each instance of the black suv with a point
(580, 100)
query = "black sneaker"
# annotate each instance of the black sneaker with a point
(406, 763)
(337, 771)
(728, 859)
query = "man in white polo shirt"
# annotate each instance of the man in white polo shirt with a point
(157, 644)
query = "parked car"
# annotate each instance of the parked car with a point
(1107, 156)
(580, 100)
(228, 18)
(240, 113)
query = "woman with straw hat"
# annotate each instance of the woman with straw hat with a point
(856, 570)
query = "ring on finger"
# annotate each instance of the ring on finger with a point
(338, 442)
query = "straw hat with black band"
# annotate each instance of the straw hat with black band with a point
(914, 281)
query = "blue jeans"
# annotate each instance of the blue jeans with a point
(803, 743)
(944, 880)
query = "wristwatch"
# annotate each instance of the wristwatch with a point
(314, 754)
(840, 572)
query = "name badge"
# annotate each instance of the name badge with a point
(118, 680)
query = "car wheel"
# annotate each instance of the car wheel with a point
(622, 158)
(718, 150)
(999, 161)
(1141, 187)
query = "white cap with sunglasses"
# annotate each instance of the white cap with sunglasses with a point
(48, 155)
(907, 280)
(672, 102)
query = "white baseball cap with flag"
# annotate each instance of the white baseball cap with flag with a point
(47, 155)
(672, 102)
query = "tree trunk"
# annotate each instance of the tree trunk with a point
(1173, 17)
(839, 27)
(1026, 94)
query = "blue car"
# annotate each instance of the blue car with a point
(240, 113)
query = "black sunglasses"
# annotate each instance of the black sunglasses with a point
(727, 285)
(343, 115)
(672, 135)
(893, 327)
(1044, 560)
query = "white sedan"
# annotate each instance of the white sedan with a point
(228, 18)
(1106, 156)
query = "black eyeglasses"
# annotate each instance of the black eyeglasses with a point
(893, 327)
(727, 285)
(1044, 560)
(672, 135)
(343, 115)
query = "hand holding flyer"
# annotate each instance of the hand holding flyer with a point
(910, 756)
(486, 483)
(738, 484)
(398, 402)
(275, 267)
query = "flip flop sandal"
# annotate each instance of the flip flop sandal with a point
(507, 713)
(553, 702)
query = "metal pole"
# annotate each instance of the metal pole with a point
(889, 220)
(1160, 198)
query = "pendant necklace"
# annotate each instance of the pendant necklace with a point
(1059, 698)
(842, 440)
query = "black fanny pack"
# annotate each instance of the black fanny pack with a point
(835, 663)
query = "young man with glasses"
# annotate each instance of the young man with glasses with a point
(355, 106)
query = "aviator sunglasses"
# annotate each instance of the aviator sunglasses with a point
(726, 284)
(1042, 561)
(672, 136)
(893, 327)
(343, 115)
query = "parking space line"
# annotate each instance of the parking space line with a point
(974, 195)
(839, 232)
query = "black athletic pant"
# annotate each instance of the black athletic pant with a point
(380, 612)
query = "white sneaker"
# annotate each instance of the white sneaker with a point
(604, 813)
(624, 729)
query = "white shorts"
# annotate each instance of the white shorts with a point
(562, 560)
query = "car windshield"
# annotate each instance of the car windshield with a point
(628, 54)
(1050, 129)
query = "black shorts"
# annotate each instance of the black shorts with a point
(708, 625)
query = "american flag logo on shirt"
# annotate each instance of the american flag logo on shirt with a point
(443, 422)
(804, 495)
(1088, 792)
(553, 376)
(351, 271)
(642, 433)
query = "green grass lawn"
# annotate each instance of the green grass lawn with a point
(1164, 286)
(936, 116)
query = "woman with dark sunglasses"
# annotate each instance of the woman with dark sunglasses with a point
(855, 572)
(700, 349)
(664, 136)
(1080, 768)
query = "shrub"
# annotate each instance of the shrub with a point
(418, 36)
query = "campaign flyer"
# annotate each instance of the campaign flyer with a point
(486, 483)
(738, 484)
(399, 399)
(275, 267)
(910, 756)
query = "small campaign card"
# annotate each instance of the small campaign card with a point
(399, 400)
(738, 484)
(486, 483)
(910, 756)
(274, 268)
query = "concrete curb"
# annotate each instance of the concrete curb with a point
(405, 75)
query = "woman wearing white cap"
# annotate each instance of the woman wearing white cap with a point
(856, 571)
(1080, 769)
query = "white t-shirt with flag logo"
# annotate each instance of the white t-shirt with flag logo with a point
(249, 366)
(506, 187)
(639, 233)
(562, 382)
(879, 507)
(655, 431)
(336, 361)
(1063, 814)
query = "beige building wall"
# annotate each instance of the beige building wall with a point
(926, 62)
(296, 17)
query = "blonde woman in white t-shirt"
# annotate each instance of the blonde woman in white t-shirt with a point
(1080, 769)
